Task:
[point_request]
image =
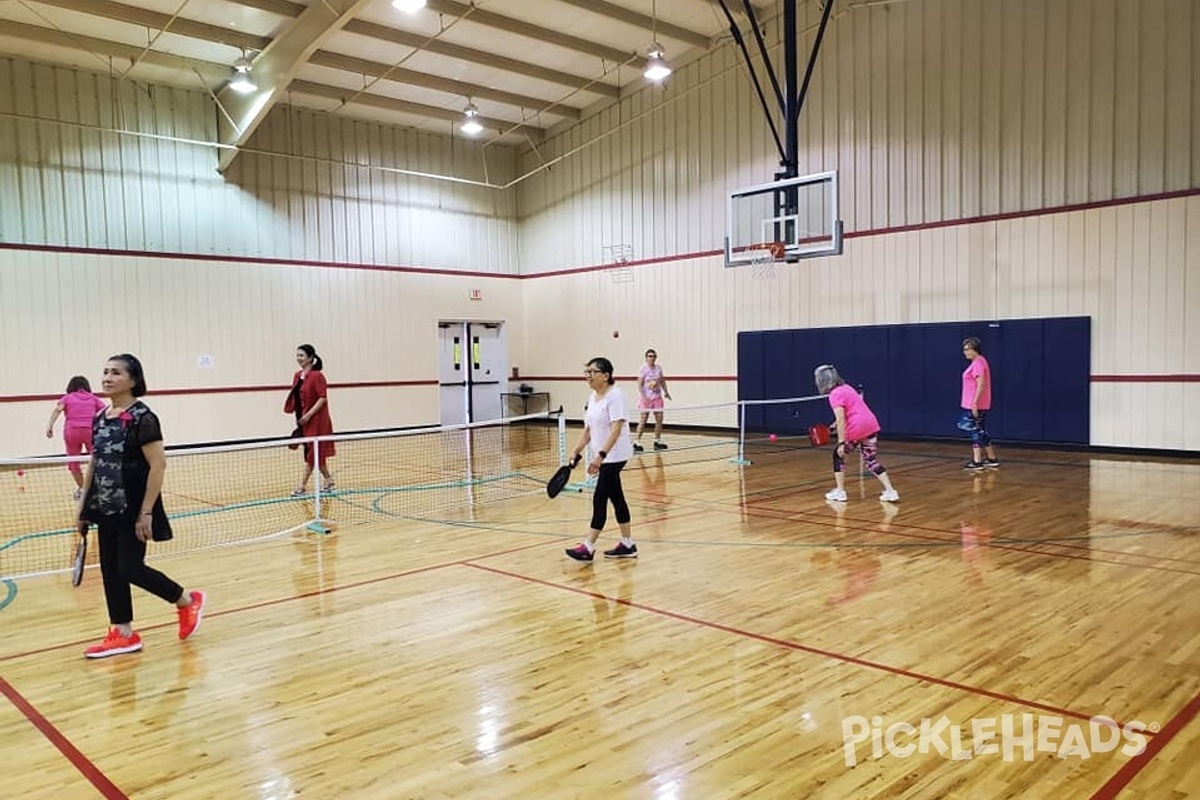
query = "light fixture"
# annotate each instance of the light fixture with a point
(240, 82)
(656, 66)
(408, 6)
(470, 125)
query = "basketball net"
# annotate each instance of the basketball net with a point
(763, 258)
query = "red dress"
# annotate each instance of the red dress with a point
(313, 386)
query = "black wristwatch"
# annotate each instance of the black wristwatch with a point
(604, 454)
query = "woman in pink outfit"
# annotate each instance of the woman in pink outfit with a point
(79, 406)
(976, 402)
(652, 388)
(857, 429)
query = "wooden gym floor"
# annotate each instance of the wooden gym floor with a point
(466, 657)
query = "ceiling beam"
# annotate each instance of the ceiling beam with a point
(352, 97)
(375, 31)
(245, 41)
(162, 22)
(492, 19)
(286, 8)
(374, 69)
(643, 21)
(276, 67)
(538, 33)
(103, 47)
(219, 73)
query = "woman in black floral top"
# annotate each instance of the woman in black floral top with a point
(124, 500)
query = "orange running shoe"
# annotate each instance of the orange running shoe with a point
(115, 644)
(189, 618)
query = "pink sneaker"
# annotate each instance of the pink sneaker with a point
(189, 618)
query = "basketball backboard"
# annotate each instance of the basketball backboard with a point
(785, 220)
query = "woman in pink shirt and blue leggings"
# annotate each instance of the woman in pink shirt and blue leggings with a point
(80, 407)
(976, 402)
(857, 429)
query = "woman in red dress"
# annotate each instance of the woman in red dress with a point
(308, 401)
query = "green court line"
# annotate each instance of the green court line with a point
(10, 595)
(456, 484)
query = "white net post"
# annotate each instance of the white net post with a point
(741, 446)
(318, 524)
(562, 440)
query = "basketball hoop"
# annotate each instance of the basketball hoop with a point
(763, 258)
(618, 255)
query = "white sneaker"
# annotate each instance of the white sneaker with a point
(890, 496)
(836, 494)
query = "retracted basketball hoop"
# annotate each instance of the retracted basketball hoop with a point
(796, 215)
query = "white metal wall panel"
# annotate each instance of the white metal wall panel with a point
(1129, 267)
(81, 187)
(931, 110)
(66, 313)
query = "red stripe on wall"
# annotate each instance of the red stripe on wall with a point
(670, 378)
(282, 262)
(37, 398)
(1008, 215)
(31, 398)
(948, 223)
(1146, 378)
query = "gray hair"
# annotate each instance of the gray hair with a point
(827, 377)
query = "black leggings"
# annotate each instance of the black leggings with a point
(123, 563)
(608, 487)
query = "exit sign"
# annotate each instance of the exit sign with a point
(476, 294)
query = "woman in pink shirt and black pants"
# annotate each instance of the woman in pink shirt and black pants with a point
(857, 429)
(80, 407)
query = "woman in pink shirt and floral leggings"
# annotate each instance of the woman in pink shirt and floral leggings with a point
(80, 406)
(857, 429)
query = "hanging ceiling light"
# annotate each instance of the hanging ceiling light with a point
(240, 82)
(408, 6)
(471, 124)
(656, 66)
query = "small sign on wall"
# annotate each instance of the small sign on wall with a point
(205, 362)
(475, 294)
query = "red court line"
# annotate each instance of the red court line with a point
(1114, 551)
(285, 599)
(1136, 764)
(77, 759)
(816, 651)
(775, 495)
(945, 537)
